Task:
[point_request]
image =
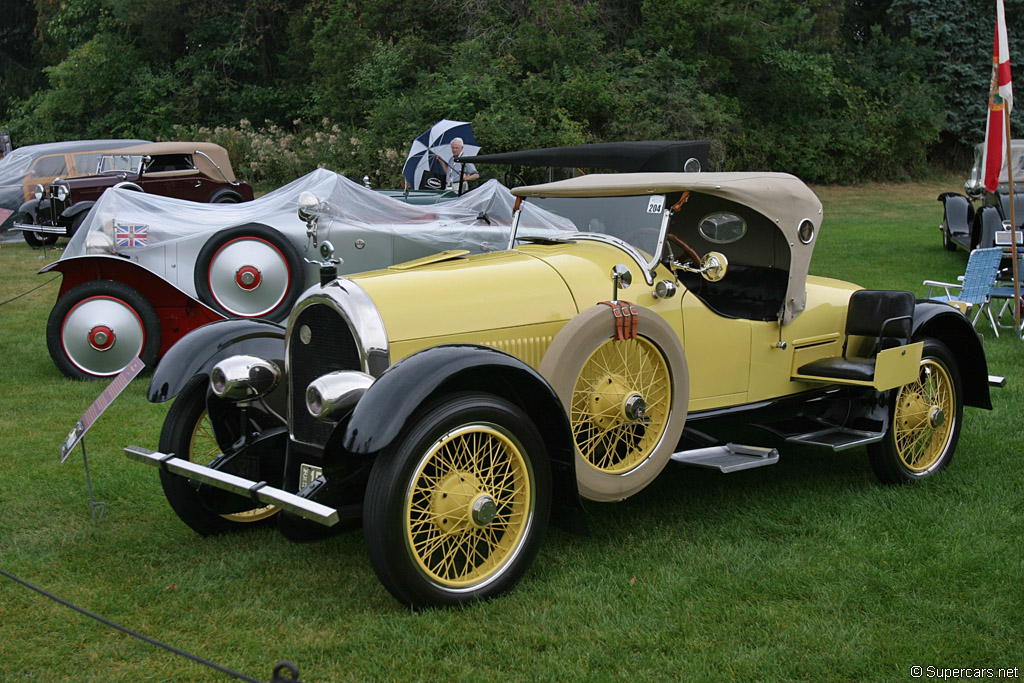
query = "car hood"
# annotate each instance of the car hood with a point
(460, 295)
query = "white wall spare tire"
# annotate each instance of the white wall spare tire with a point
(626, 400)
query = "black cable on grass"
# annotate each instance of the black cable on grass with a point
(29, 291)
(280, 665)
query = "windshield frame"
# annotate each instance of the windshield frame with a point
(649, 266)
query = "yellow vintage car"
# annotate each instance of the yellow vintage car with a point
(456, 405)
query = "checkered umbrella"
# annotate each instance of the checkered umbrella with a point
(433, 144)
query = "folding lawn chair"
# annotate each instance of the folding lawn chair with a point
(975, 291)
(1002, 291)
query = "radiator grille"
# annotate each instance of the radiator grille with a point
(330, 347)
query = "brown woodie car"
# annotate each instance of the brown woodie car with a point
(197, 171)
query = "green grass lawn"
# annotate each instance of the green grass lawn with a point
(805, 570)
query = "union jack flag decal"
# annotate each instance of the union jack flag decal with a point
(131, 235)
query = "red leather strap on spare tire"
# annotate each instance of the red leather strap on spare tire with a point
(625, 318)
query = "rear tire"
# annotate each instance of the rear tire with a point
(924, 421)
(96, 329)
(456, 507)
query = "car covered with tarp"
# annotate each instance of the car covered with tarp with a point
(27, 169)
(143, 270)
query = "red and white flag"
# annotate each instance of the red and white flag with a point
(1000, 96)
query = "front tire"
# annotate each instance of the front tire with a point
(38, 239)
(97, 328)
(924, 421)
(188, 433)
(457, 506)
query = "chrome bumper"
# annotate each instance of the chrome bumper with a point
(259, 492)
(32, 227)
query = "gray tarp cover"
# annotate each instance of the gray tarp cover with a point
(448, 225)
(15, 165)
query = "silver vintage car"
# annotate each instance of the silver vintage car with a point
(144, 270)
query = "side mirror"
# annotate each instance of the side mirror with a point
(713, 266)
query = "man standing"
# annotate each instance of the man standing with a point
(455, 169)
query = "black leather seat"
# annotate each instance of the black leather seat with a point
(882, 314)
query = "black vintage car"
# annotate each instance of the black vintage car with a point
(974, 220)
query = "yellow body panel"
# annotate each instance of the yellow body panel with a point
(517, 301)
(465, 300)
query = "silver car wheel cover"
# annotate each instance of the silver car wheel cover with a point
(97, 316)
(249, 277)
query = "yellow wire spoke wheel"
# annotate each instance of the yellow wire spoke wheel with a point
(626, 400)
(188, 433)
(203, 448)
(620, 404)
(457, 505)
(924, 420)
(923, 417)
(469, 505)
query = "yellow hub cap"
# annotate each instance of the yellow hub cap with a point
(203, 448)
(924, 416)
(469, 505)
(620, 404)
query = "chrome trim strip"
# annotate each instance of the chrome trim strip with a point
(359, 312)
(221, 171)
(631, 251)
(269, 495)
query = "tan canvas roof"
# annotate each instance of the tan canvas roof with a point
(782, 198)
(214, 151)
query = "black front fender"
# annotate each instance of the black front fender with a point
(77, 208)
(199, 350)
(957, 212)
(31, 209)
(394, 399)
(943, 322)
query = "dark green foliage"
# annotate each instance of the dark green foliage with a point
(833, 90)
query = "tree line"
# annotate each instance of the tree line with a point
(834, 91)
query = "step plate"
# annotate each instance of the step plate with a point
(837, 438)
(728, 458)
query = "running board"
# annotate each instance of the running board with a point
(728, 458)
(837, 438)
(259, 492)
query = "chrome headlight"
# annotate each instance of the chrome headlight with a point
(329, 397)
(244, 378)
(39, 192)
(63, 192)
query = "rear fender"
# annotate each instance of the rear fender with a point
(394, 399)
(197, 352)
(178, 312)
(943, 322)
